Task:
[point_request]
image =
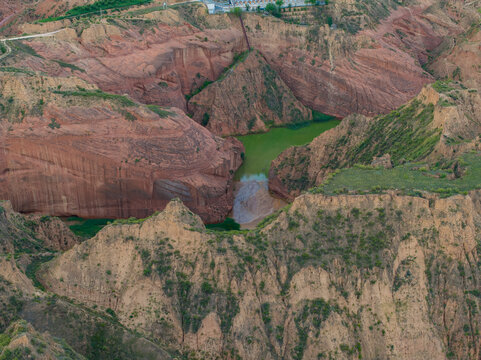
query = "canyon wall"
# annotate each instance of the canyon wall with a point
(371, 72)
(437, 125)
(317, 281)
(250, 97)
(90, 154)
(156, 59)
(161, 56)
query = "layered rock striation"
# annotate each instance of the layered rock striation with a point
(79, 151)
(376, 276)
(249, 97)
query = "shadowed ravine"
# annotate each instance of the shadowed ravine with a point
(253, 200)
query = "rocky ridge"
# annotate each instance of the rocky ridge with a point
(442, 122)
(91, 333)
(156, 58)
(250, 97)
(315, 281)
(23, 342)
(185, 48)
(77, 150)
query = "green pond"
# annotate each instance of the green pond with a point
(261, 149)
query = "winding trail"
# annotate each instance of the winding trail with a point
(52, 33)
(8, 52)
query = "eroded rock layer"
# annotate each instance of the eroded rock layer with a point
(250, 97)
(160, 56)
(93, 155)
(155, 59)
(440, 123)
(369, 73)
(374, 276)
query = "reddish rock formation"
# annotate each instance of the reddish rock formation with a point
(462, 61)
(158, 58)
(299, 168)
(8, 10)
(53, 232)
(93, 158)
(249, 98)
(156, 62)
(372, 72)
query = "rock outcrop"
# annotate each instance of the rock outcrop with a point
(377, 276)
(250, 97)
(79, 151)
(383, 161)
(160, 56)
(437, 124)
(25, 243)
(372, 72)
(373, 276)
(22, 341)
(459, 57)
(155, 59)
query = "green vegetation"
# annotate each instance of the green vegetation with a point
(128, 115)
(274, 96)
(95, 334)
(313, 314)
(410, 178)
(159, 111)
(149, 10)
(18, 46)
(32, 268)
(237, 58)
(86, 228)
(407, 134)
(404, 133)
(320, 117)
(194, 301)
(69, 66)
(189, 12)
(5, 338)
(237, 11)
(16, 70)
(227, 225)
(273, 9)
(443, 86)
(133, 220)
(53, 124)
(98, 94)
(96, 7)
(104, 5)
(261, 149)
(198, 90)
(345, 240)
(205, 119)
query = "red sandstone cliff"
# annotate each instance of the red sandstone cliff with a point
(249, 98)
(156, 59)
(97, 157)
(161, 56)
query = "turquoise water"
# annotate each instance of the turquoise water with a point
(261, 149)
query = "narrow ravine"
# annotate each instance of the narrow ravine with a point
(252, 200)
